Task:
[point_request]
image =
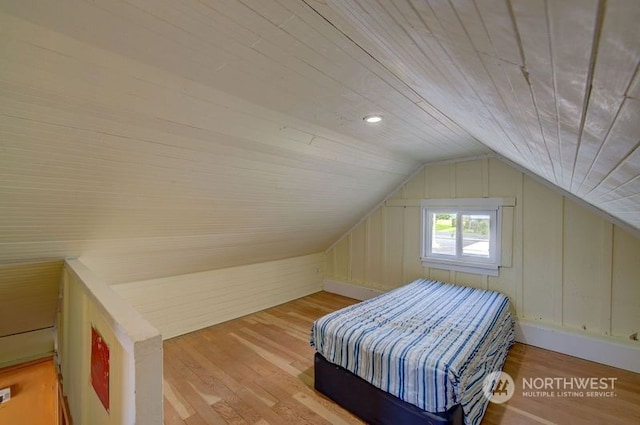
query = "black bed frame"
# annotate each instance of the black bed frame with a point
(371, 404)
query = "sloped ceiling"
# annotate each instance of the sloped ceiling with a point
(551, 85)
(158, 137)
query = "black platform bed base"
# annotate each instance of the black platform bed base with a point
(371, 404)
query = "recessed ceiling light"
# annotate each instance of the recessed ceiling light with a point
(372, 119)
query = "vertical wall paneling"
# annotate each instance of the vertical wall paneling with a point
(469, 279)
(502, 181)
(427, 185)
(329, 263)
(411, 264)
(342, 259)
(439, 181)
(394, 243)
(375, 240)
(443, 275)
(606, 276)
(452, 180)
(625, 288)
(485, 177)
(585, 297)
(367, 254)
(563, 264)
(385, 246)
(542, 252)
(357, 253)
(506, 253)
(468, 179)
(349, 257)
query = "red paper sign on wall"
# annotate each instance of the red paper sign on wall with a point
(100, 367)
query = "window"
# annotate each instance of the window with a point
(462, 234)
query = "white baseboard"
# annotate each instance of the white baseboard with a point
(349, 290)
(601, 349)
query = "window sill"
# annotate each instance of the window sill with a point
(475, 268)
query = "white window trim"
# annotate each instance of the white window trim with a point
(466, 264)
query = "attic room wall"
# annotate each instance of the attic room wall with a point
(570, 267)
(179, 304)
(28, 303)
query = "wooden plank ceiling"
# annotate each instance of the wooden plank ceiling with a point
(551, 85)
(158, 137)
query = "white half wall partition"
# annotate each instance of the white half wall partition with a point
(122, 383)
(180, 304)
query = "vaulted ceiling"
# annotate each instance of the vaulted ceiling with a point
(158, 137)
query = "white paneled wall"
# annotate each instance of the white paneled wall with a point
(568, 265)
(28, 296)
(135, 353)
(180, 304)
(28, 304)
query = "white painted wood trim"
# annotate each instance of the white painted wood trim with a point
(452, 202)
(600, 349)
(349, 290)
(138, 337)
(403, 203)
(122, 317)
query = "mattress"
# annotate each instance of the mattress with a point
(428, 343)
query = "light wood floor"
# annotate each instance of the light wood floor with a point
(258, 370)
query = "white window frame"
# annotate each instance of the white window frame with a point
(461, 262)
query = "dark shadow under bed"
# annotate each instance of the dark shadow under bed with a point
(371, 404)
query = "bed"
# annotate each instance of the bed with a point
(416, 355)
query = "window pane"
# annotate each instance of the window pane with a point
(475, 235)
(443, 233)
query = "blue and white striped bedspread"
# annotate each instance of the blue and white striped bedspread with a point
(428, 343)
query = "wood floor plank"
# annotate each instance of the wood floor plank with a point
(319, 409)
(171, 416)
(229, 414)
(191, 387)
(176, 402)
(284, 345)
(266, 411)
(258, 370)
(269, 356)
(195, 420)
